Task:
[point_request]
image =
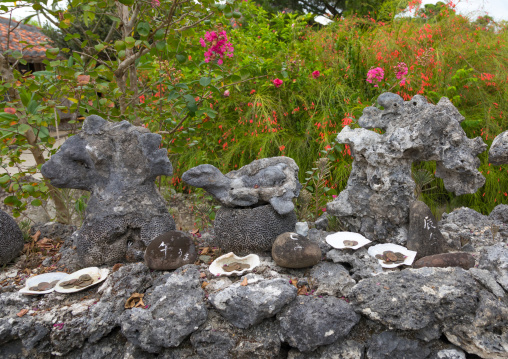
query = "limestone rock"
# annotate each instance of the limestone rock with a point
(302, 228)
(176, 309)
(118, 164)
(488, 280)
(380, 188)
(450, 354)
(494, 259)
(498, 153)
(322, 222)
(11, 239)
(268, 180)
(170, 250)
(423, 235)
(309, 322)
(347, 349)
(388, 345)
(291, 250)
(247, 230)
(245, 306)
(332, 279)
(444, 260)
(360, 264)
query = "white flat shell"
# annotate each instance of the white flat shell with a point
(98, 275)
(216, 267)
(336, 240)
(46, 277)
(380, 248)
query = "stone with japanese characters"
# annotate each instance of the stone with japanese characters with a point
(424, 236)
(292, 250)
(170, 250)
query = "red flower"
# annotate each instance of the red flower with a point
(10, 110)
(316, 74)
(277, 82)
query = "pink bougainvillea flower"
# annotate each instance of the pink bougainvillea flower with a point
(156, 3)
(316, 74)
(226, 93)
(375, 74)
(278, 82)
(218, 46)
(401, 71)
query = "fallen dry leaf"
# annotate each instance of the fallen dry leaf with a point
(140, 304)
(244, 282)
(204, 284)
(36, 236)
(294, 282)
(386, 288)
(202, 275)
(134, 300)
(117, 267)
(205, 250)
(22, 312)
(302, 290)
(194, 231)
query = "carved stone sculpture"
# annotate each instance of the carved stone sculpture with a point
(118, 164)
(380, 188)
(498, 153)
(257, 201)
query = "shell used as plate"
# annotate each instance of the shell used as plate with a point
(216, 268)
(380, 248)
(98, 275)
(46, 277)
(336, 240)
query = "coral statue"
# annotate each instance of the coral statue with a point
(257, 201)
(118, 164)
(380, 188)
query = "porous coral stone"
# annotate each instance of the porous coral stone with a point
(11, 239)
(292, 250)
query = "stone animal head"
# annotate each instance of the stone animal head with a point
(103, 152)
(269, 180)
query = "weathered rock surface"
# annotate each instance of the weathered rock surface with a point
(268, 180)
(388, 345)
(11, 239)
(310, 322)
(292, 250)
(413, 299)
(118, 164)
(247, 230)
(245, 306)
(498, 153)
(458, 259)
(450, 354)
(380, 189)
(170, 250)
(359, 263)
(494, 259)
(423, 235)
(347, 349)
(176, 309)
(332, 279)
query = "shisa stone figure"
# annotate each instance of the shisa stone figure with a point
(118, 164)
(380, 188)
(498, 153)
(257, 201)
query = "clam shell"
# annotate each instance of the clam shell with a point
(216, 267)
(380, 248)
(336, 240)
(98, 275)
(46, 277)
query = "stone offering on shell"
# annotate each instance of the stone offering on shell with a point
(350, 243)
(43, 286)
(235, 266)
(389, 257)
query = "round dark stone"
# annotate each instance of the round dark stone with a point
(170, 250)
(291, 250)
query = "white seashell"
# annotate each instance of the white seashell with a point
(380, 248)
(216, 267)
(336, 240)
(98, 275)
(46, 277)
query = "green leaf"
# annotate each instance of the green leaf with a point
(11, 201)
(8, 116)
(181, 58)
(126, 2)
(143, 28)
(4, 179)
(52, 53)
(99, 47)
(160, 45)
(159, 35)
(36, 203)
(237, 14)
(119, 45)
(130, 42)
(205, 81)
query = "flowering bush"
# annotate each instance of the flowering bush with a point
(401, 71)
